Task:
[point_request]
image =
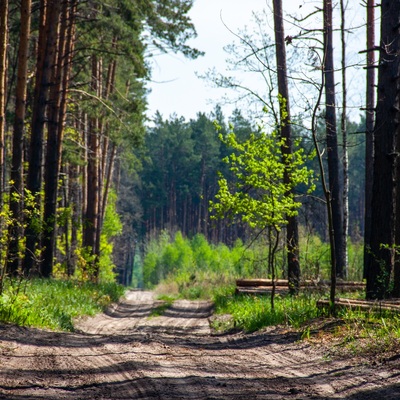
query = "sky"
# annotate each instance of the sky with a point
(175, 87)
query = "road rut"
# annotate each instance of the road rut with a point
(126, 354)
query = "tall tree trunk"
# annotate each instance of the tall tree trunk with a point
(47, 48)
(380, 258)
(344, 138)
(107, 157)
(3, 74)
(17, 161)
(57, 115)
(92, 192)
(369, 127)
(292, 231)
(331, 140)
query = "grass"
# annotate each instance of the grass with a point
(351, 333)
(375, 334)
(166, 303)
(253, 312)
(54, 303)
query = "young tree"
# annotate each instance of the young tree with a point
(261, 196)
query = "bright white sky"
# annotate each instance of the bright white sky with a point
(177, 89)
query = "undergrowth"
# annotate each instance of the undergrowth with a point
(54, 303)
(253, 312)
(365, 333)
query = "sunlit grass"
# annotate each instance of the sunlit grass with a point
(368, 333)
(253, 312)
(54, 303)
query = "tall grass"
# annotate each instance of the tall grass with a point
(253, 312)
(54, 303)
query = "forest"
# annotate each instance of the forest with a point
(88, 184)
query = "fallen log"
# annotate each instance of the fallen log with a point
(384, 305)
(285, 289)
(284, 282)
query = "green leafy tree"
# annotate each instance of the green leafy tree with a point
(260, 196)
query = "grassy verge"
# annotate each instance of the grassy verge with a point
(252, 312)
(54, 303)
(352, 333)
(374, 334)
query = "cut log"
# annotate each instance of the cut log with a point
(284, 282)
(391, 305)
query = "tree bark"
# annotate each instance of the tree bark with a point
(3, 74)
(92, 192)
(369, 128)
(47, 48)
(343, 127)
(331, 140)
(56, 121)
(380, 258)
(17, 161)
(292, 231)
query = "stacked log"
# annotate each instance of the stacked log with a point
(259, 286)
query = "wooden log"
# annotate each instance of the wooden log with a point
(362, 305)
(284, 282)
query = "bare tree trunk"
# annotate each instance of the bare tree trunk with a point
(57, 115)
(327, 195)
(107, 159)
(17, 161)
(292, 231)
(344, 138)
(3, 100)
(92, 192)
(369, 127)
(380, 258)
(331, 140)
(47, 48)
(3, 74)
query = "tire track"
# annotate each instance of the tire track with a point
(126, 354)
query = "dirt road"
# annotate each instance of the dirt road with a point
(124, 354)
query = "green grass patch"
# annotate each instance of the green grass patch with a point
(166, 303)
(54, 303)
(369, 333)
(253, 312)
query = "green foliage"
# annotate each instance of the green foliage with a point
(194, 266)
(54, 303)
(260, 196)
(252, 313)
(86, 262)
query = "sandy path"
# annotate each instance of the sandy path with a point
(124, 354)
